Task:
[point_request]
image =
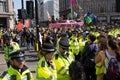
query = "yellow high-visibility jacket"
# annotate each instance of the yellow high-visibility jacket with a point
(44, 71)
(13, 74)
(62, 65)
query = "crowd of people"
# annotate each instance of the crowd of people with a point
(82, 53)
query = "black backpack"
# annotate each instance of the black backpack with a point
(88, 54)
(113, 70)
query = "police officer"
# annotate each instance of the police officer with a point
(9, 47)
(74, 45)
(46, 69)
(62, 35)
(17, 69)
(62, 59)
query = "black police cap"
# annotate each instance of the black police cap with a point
(48, 47)
(64, 43)
(18, 55)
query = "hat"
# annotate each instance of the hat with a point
(64, 43)
(48, 47)
(18, 55)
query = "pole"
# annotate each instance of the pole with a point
(36, 11)
(71, 11)
(79, 9)
(37, 26)
(22, 3)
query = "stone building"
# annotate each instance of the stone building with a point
(7, 14)
(46, 7)
(105, 10)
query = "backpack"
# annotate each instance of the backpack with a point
(113, 70)
(88, 54)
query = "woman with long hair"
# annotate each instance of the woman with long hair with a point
(112, 55)
(100, 58)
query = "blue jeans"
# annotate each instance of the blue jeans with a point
(28, 46)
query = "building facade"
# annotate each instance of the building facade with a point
(64, 8)
(6, 14)
(48, 8)
(105, 10)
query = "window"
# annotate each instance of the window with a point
(3, 6)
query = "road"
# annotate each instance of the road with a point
(30, 58)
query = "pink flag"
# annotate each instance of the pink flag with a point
(27, 23)
(72, 2)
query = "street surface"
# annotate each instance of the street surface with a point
(30, 57)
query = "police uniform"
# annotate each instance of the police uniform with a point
(74, 45)
(12, 74)
(9, 48)
(62, 62)
(81, 45)
(44, 71)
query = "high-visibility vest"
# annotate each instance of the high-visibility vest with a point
(81, 44)
(74, 45)
(44, 71)
(62, 66)
(100, 68)
(13, 74)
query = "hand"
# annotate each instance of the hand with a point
(52, 64)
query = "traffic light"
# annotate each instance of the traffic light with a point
(117, 5)
(30, 9)
(22, 14)
(19, 14)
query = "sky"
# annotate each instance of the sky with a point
(17, 4)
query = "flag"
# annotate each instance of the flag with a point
(88, 13)
(49, 17)
(72, 2)
(89, 17)
(27, 23)
(93, 17)
(19, 25)
(88, 20)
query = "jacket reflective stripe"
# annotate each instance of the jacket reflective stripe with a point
(8, 76)
(42, 78)
(25, 78)
(62, 68)
(5, 74)
(66, 72)
(55, 78)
